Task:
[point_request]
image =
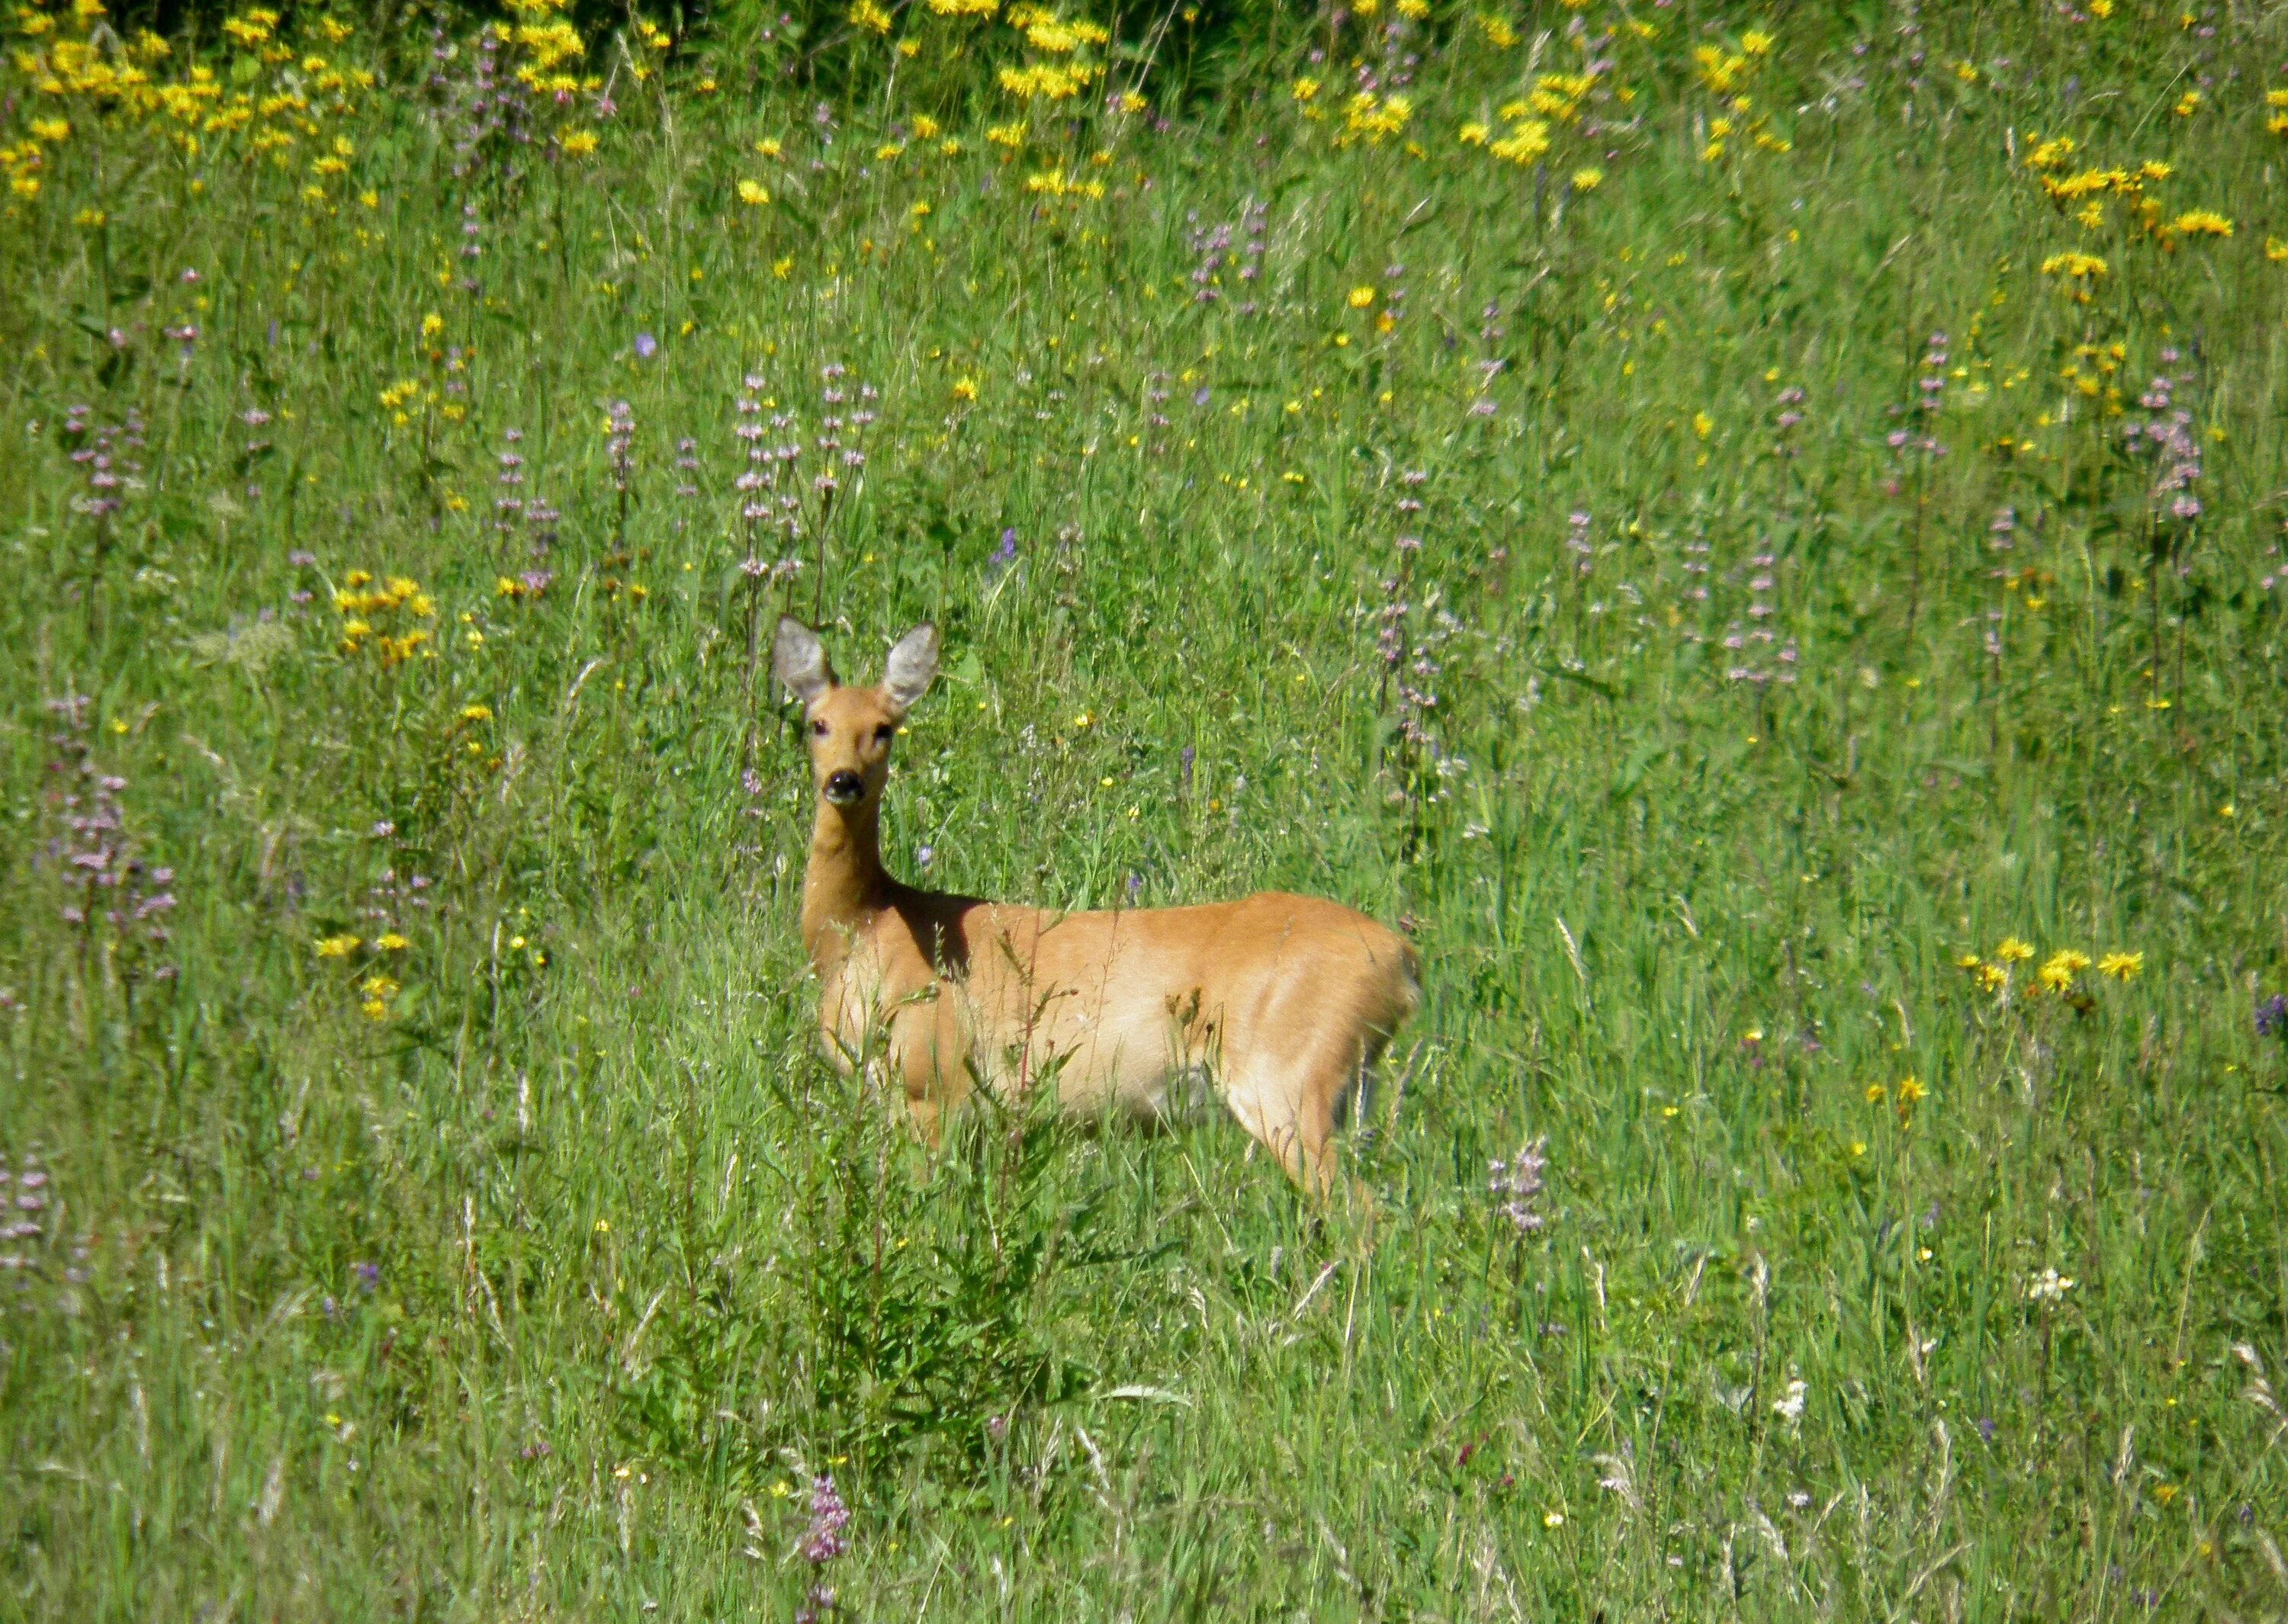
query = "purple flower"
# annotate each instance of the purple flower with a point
(823, 1540)
(646, 346)
(1516, 1183)
(369, 1275)
(2272, 1016)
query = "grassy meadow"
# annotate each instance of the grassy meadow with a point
(1754, 535)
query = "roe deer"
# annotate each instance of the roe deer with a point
(1282, 1001)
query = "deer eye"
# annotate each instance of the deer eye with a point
(818, 729)
(882, 733)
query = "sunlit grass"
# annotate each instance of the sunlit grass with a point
(1645, 505)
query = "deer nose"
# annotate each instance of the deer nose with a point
(845, 787)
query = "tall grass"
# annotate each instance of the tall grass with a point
(1675, 546)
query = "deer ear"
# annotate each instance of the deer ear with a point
(912, 668)
(799, 659)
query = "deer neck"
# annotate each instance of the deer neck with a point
(843, 888)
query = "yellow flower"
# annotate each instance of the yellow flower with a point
(336, 947)
(1361, 297)
(867, 15)
(390, 941)
(579, 144)
(2201, 223)
(2056, 977)
(51, 130)
(379, 986)
(1992, 977)
(2075, 266)
(1472, 134)
(964, 389)
(1756, 43)
(476, 713)
(1874, 1092)
(1703, 426)
(2013, 952)
(1911, 1089)
(2051, 154)
(769, 146)
(1968, 961)
(1304, 89)
(752, 195)
(925, 128)
(2070, 959)
(781, 269)
(373, 1009)
(1497, 31)
(1588, 179)
(2121, 966)
(1526, 142)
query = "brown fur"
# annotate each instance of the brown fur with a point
(1284, 1001)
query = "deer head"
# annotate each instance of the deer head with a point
(850, 730)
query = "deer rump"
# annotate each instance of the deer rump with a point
(1281, 1003)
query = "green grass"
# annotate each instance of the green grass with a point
(542, 1289)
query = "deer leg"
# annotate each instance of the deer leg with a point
(1290, 1104)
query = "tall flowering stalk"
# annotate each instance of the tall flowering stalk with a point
(106, 455)
(821, 1543)
(1915, 449)
(117, 904)
(2165, 444)
(620, 431)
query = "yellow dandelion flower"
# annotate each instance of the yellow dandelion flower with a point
(752, 194)
(1756, 43)
(336, 947)
(579, 144)
(1911, 1089)
(1497, 31)
(2121, 966)
(1874, 1093)
(1527, 141)
(1361, 297)
(2201, 223)
(1472, 134)
(964, 389)
(390, 941)
(1588, 179)
(2014, 951)
(1304, 89)
(476, 713)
